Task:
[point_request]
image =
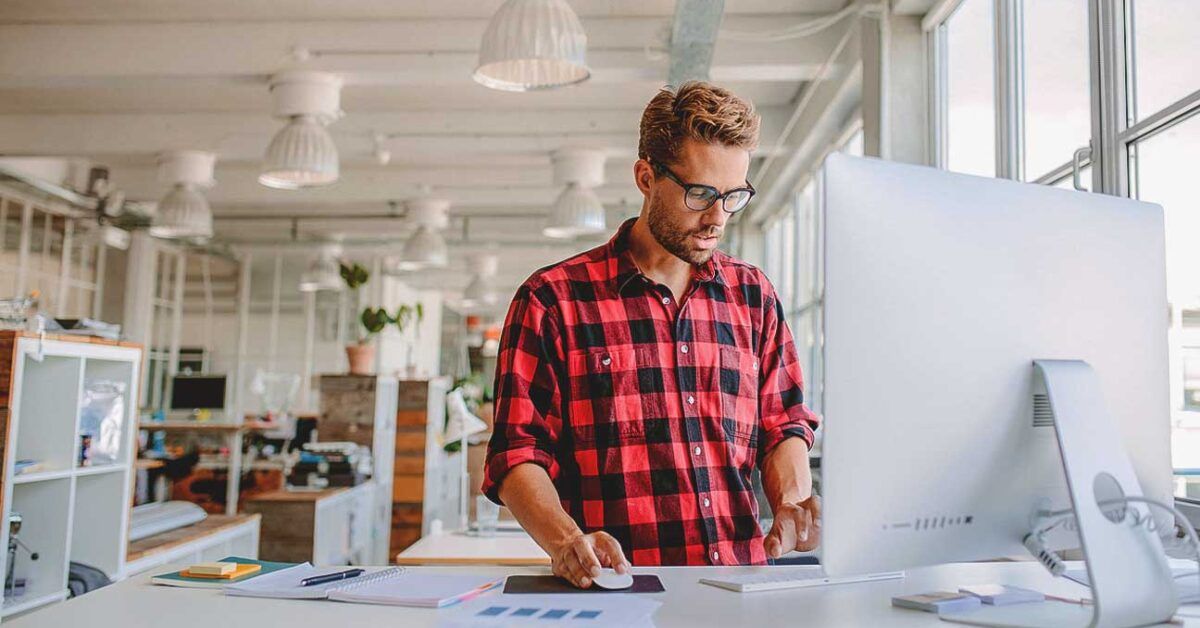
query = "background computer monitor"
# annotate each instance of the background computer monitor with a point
(198, 392)
(940, 291)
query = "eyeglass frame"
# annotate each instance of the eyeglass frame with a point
(718, 196)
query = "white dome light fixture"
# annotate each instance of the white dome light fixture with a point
(324, 274)
(577, 211)
(426, 248)
(480, 292)
(531, 45)
(302, 154)
(184, 214)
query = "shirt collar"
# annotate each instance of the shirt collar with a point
(627, 270)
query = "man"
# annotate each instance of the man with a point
(640, 383)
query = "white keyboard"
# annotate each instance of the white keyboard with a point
(778, 578)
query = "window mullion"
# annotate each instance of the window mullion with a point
(1009, 91)
(1110, 95)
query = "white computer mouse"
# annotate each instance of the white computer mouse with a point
(609, 579)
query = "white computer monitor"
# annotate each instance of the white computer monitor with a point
(940, 290)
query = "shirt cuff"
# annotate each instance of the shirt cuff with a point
(501, 462)
(772, 438)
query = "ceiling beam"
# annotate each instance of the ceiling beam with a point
(693, 38)
(488, 136)
(378, 52)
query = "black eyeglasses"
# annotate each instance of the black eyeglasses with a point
(699, 197)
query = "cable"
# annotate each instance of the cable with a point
(1035, 541)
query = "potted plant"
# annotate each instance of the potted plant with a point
(361, 354)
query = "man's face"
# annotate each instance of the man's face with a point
(691, 235)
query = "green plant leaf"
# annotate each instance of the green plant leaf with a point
(355, 275)
(374, 320)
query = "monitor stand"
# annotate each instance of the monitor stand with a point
(1130, 580)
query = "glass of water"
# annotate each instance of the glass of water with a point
(486, 515)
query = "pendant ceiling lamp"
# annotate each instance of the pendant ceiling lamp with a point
(577, 211)
(324, 274)
(481, 291)
(302, 154)
(426, 248)
(531, 45)
(184, 213)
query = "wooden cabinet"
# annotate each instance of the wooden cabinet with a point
(421, 481)
(327, 527)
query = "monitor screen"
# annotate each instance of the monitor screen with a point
(198, 391)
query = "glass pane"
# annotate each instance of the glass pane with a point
(787, 287)
(1163, 71)
(1163, 165)
(970, 105)
(1057, 102)
(854, 145)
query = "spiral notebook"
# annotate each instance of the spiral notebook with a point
(396, 586)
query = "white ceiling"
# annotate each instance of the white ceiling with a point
(119, 81)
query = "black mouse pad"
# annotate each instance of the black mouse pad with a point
(642, 583)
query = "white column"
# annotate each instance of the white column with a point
(310, 332)
(273, 332)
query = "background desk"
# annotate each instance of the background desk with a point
(136, 603)
(457, 548)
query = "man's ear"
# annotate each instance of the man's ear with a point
(643, 176)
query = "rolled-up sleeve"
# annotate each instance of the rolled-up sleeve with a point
(528, 400)
(782, 411)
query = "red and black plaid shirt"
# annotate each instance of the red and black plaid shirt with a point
(649, 415)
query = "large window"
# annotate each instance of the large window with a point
(1163, 36)
(1162, 167)
(1057, 101)
(970, 77)
(1112, 83)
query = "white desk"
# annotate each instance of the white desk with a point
(457, 548)
(136, 603)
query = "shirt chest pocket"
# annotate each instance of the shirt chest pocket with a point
(605, 405)
(738, 381)
(605, 413)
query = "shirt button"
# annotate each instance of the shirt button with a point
(683, 348)
(716, 556)
(666, 300)
(691, 400)
(696, 450)
(755, 366)
(606, 361)
(706, 502)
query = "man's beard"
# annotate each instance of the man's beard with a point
(675, 239)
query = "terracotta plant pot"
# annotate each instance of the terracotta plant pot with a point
(361, 358)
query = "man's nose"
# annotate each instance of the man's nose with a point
(715, 216)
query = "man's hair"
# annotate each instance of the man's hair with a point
(699, 111)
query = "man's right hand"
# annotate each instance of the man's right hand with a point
(579, 559)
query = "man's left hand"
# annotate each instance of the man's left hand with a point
(797, 527)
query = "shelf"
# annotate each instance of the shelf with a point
(41, 476)
(204, 426)
(21, 604)
(99, 469)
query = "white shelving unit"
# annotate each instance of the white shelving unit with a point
(70, 512)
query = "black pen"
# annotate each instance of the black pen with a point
(331, 577)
